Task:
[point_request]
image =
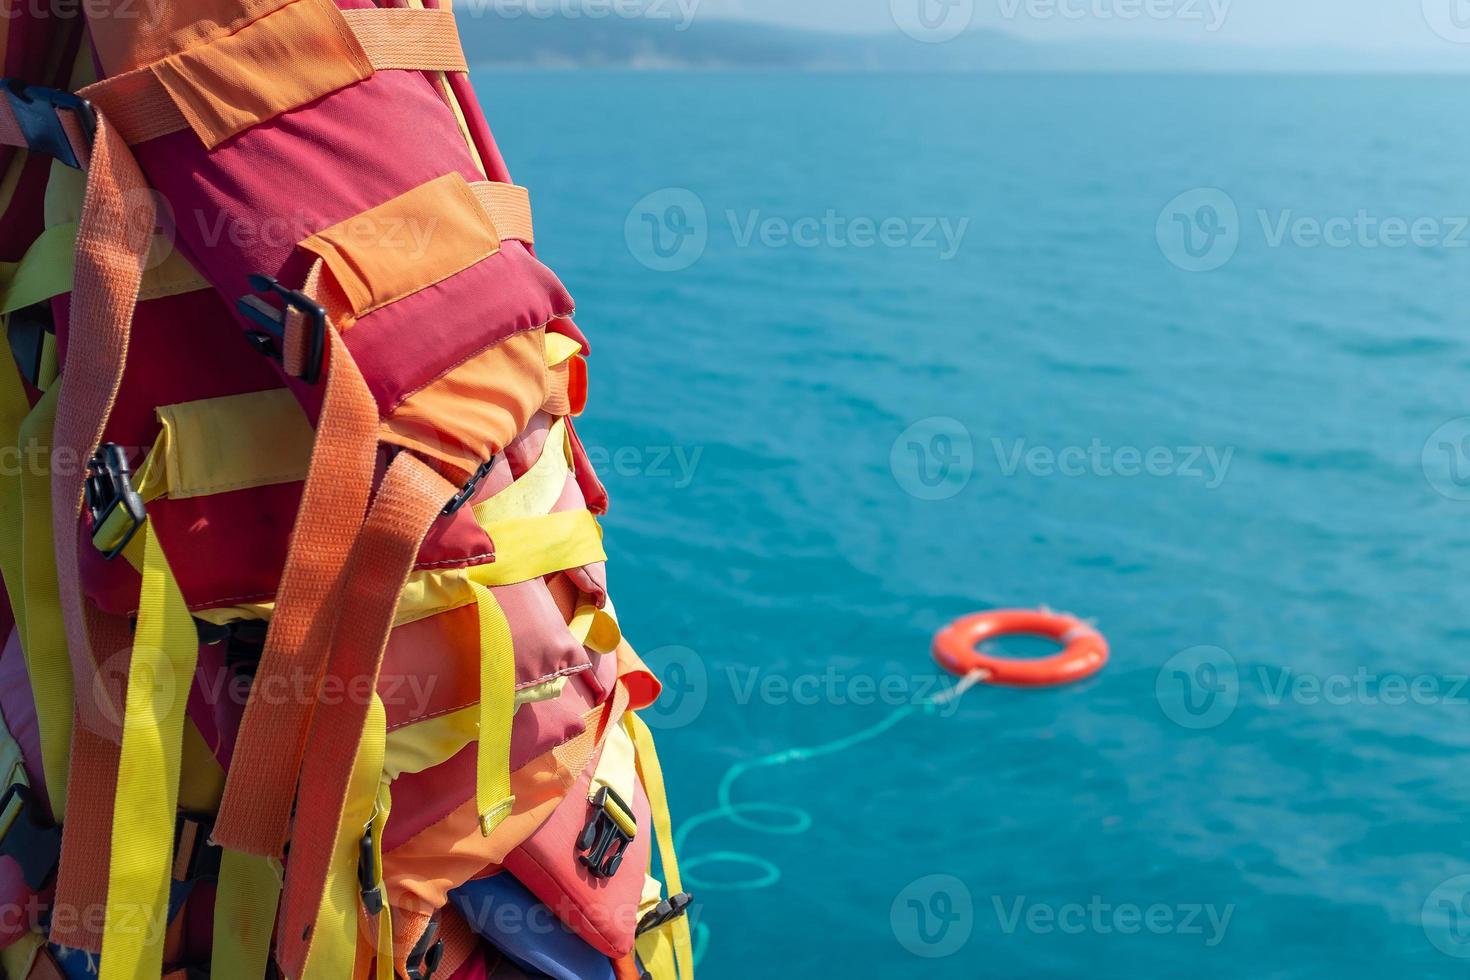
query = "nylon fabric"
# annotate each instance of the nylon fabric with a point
(218, 91)
(332, 936)
(220, 445)
(652, 776)
(160, 674)
(43, 633)
(409, 501)
(530, 547)
(261, 785)
(244, 916)
(493, 798)
(43, 272)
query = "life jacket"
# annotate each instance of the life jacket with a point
(309, 628)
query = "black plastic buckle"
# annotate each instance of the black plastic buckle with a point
(30, 841)
(110, 491)
(665, 912)
(272, 323)
(27, 329)
(457, 502)
(36, 110)
(602, 833)
(367, 874)
(426, 954)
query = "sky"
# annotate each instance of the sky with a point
(1376, 25)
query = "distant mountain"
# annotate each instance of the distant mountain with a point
(492, 40)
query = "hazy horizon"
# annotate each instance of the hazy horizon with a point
(1395, 27)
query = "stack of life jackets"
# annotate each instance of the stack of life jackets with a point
(311, 667)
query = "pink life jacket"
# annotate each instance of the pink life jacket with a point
(317, 540)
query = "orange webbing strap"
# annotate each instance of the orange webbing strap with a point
(118, 216)
(509, 207)
(113, 238)
(412, 40)
(255, 813)
(10, 134)
(86, 834)
(416, 40)
(411, 498)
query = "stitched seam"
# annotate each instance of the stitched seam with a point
(565, 672)
(470, 357)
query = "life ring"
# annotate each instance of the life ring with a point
(956, 647)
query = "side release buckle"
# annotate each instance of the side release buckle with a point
(271, 320)
(367, 873)
(117, 509)
(27, 838)
(612, 825)
(665, 912)
(36, 111)
(426, 954)
(457, 502)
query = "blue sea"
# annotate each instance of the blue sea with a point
(1188, 357)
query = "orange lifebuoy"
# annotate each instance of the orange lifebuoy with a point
(956, 647)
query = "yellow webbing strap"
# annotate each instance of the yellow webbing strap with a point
(527, 548)
(653, 783)
(384, 943)
(43, 632)
(14, 407)
(538, 489)
(43, 272)
(17, 959)
(165, 649)
(334, 936)
(493, 799)
(244, 916)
